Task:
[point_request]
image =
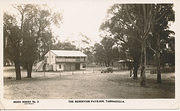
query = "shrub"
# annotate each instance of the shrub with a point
(163, 70)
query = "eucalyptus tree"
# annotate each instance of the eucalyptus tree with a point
(99, 55)
(89, 51)
(126, 36)
(35, 25)
(160, 33)
(12, 42)
(105, 51)
(142, 17)
(63, 46)
(136, 21)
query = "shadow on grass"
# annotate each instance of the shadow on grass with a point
(167, 85)
(12, 80)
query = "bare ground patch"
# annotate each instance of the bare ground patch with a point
(86, 85)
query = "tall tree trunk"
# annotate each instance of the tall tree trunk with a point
(135, 70)
(108, 63)
(17, 64)
(158, 60)
(105, 63)
(143, 65)
(29, 70)
(158, 72)
(18, 70)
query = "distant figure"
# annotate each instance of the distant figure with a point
(44, 68)
(131, 72)
(131, 69)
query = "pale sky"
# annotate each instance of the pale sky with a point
(79, 17)
(83, 17)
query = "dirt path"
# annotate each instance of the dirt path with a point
(85, 85)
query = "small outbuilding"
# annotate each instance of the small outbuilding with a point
(124, 64)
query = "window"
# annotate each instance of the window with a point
(60, 66)
(77, 59)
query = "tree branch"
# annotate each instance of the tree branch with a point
(149, 45)
(128, 14)
(161, 16)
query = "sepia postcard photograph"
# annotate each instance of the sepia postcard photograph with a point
(87, 54)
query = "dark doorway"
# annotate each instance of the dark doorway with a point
(77, 66)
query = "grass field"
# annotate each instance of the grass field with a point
(85, 85)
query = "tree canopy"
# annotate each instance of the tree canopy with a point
(31, 34)
(138, 27)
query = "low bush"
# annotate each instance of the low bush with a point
(163, 70)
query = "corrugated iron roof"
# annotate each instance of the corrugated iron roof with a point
(68, 53)
(127, 60)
